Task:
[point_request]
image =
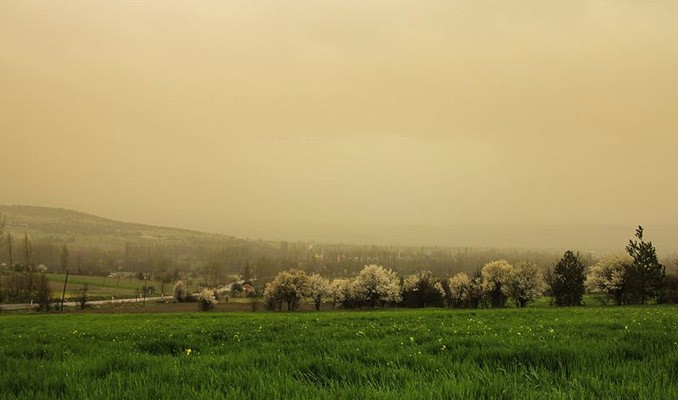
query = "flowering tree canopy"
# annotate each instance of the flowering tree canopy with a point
(609, 276)
(423, 289)
(317, 287)
(525, 283)
(465, 291)
(287, 287)
(496, 275)
(376, 284)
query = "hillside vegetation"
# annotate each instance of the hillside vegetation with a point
(74, 227)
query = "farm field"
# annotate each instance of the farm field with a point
(593, 352)
(102, 288)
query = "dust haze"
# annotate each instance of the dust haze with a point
(257, 118)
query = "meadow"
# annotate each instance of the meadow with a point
(534, 353)
(103, 288)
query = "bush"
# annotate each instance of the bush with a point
(252, 295)
(669, 293)
(207, 300)
(180, 292)
(422, 290)
(44, 294)
(82, 296)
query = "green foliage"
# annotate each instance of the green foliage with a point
(423, 290)
(566, 281)
(552, 353)
(646, 278)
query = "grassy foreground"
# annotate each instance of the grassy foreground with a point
(574, 353)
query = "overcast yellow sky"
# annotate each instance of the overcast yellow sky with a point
(214, 115)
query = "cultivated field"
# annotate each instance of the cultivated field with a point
(572, 353)
(102, 288)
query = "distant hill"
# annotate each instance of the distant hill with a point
(68, 226)
(73, 227)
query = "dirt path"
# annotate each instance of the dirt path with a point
(28, 306)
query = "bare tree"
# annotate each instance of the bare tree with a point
(28, 250)
(81, 298)
(10, 241)
(44, 293)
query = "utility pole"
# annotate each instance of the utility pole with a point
(63, 294)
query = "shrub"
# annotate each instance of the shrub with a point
(252, 295)
(669, 293)
(82, 296)
(207, 300)
(422, 289)
(179, 293)
(44, 293)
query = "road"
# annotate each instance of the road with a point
(28, 306)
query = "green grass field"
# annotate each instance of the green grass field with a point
(539, 353)
(101, 288)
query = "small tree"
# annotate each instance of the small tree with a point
(317, 288)
(28, 251)
(340, 290)
(646, 277)
(465, 291)
(525, 283)
(378, 285)
(44, 293)
(82, 296)
(179, 292)
(422, 289)
(207, 300)
(566, 281)
(254, 303)
(610, 277)
(495, 278)
(287, 287)
(10, 250)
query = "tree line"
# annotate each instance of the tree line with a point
(635, 278)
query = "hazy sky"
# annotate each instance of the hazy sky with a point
(211, 115)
